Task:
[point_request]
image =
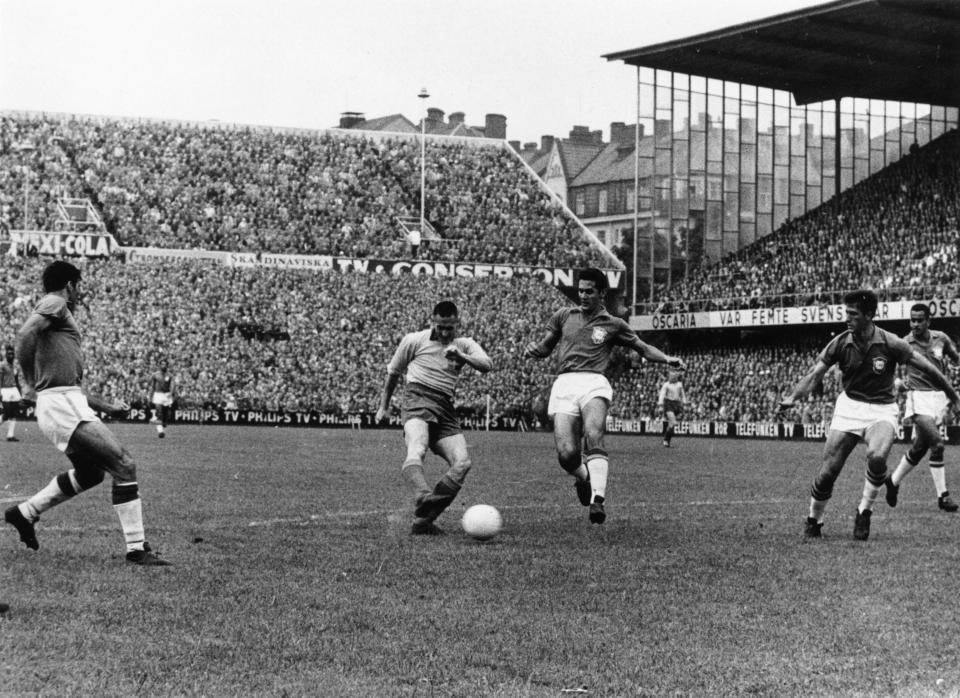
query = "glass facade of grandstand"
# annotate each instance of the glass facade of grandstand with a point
(729, 163)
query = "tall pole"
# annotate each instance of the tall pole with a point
(636, 197)
(424, 95)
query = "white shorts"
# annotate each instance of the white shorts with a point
(856, 417)
(571, 391)
(932, 403)
(60, 411)
(9, 395)
(163, 399)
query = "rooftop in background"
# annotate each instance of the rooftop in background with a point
(901, 50)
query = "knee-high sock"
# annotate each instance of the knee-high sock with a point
(127, 504)
(60, 489)
(939, 475)
(599, 466)
(902, 469)
(412, 472)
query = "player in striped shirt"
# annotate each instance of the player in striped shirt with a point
(927, 405)
(585, 337)
(431, 361)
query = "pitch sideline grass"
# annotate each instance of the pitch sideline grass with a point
(293, 575)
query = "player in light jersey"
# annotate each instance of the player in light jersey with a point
(581, 394)
(927, 404)
(866, 409)
(48, 348)
(161, 387)
(432, 360)
(10, 391)
(670, 401)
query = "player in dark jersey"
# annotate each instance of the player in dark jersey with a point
(926, 405)
(48, 348)
(866, 409)
(161, 396)
(581, 395)
(10, 391)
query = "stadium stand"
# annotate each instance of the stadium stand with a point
(895, 232)
(221, 187)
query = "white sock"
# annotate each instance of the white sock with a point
(131, 521)
(48, 497)
(598, 466)
(903, 467)
(817, 508)
(939, 475)
(11, 427)
(870, 492)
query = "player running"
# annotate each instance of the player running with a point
(432, 360)
(48, 348)
(161, 388)
(581, 394)
(865, 410)
(927, 404)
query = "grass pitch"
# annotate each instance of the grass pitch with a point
(294, 575)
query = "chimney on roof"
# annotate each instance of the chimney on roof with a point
(457, 117)
(495, 126)
(580, 135)
(626, 139)
(349, 119)
(434, 115)
(515, 145)
(529, 147)
(596, 137)
(616, 131)
(546, 142)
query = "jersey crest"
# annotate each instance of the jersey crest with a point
(599, 335)
(937, 350)
(879, 363)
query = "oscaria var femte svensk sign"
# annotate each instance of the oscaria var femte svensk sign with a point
(771, 317)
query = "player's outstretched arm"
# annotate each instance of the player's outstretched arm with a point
(804, 386)
(651, 353)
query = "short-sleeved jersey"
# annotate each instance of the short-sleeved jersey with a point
(162, 382)
(586, 343)
(8, 375)
(867, 373)
(934, 350)
(58, 361)
(422, 357)
(671, 391)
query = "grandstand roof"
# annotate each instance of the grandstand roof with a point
(903, 50)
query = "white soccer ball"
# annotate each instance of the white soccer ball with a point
(481, 521)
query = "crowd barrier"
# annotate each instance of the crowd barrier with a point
(783, 431)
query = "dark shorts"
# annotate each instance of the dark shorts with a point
(674, 406)
(433, 407)
(11, 410)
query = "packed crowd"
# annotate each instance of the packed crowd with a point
(895, 232)
(321, 341)
(298, 192)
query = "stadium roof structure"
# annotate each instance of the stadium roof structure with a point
(901, 50)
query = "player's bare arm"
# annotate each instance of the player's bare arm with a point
(114, 408)
(542, 349)
(806, 384)
(479, 362)
(389, 385)
(651, 353)
(27, 348)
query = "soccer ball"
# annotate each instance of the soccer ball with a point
(481, 521)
